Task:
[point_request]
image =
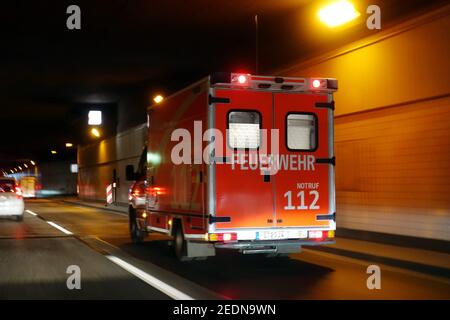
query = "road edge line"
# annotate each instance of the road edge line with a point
(149, 279)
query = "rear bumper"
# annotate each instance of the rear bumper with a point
(250, 245)
(16, 210)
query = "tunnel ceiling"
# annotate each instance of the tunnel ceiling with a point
(48, 71)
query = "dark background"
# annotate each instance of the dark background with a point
(127, 51)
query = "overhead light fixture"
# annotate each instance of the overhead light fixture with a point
(69, 145)
(158, 98)
(53, 151)
(94, 118)
(33, 163)
(74, 168)
(338, 13)
(25, 165)
(95, 132)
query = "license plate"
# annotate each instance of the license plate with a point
(282, 234)
(273, 235)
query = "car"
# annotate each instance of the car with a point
(136, 197)
(11, 199)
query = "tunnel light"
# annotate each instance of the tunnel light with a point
(158, 98)
(74, 168)
(95, 132)
(95, 118)
(69, 145)
(338, 13)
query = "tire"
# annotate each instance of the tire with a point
(137, 235)
(179, 244)
(19, 218)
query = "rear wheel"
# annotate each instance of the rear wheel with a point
(179, 244)
(137, 235)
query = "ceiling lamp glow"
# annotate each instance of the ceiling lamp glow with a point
(338, 13)
(158, 98)
(94, 118)
(95, 132)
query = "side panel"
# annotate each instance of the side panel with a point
(242, 195)
(176, 186)
(301, 186)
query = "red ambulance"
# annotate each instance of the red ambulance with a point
(239, 161)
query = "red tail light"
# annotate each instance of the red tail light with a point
(18, 191)
(241, 79)
(225, 237)
(138, 190)
(317, 234)
(321, 234)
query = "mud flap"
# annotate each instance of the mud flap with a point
(197, 250)
(289, 248)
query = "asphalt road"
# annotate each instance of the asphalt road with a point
(35, 255)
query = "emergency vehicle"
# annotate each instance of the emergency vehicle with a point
(239, 161)
(29, 185)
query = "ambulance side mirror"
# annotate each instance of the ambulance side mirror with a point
(129, 173)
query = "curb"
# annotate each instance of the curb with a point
(82, 204)
(414, 266)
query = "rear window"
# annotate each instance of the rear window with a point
(301, 131)
(244, 129)
(7, 185)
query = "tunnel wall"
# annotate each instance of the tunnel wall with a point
(97, 162)
(392, 128)
(56, 179)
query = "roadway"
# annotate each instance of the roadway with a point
(35, 255)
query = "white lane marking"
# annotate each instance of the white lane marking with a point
(31, 212)
(59, 227)
(151, 280)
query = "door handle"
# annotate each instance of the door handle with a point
(326, 161)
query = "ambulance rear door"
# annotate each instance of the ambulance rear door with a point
(304, 183)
